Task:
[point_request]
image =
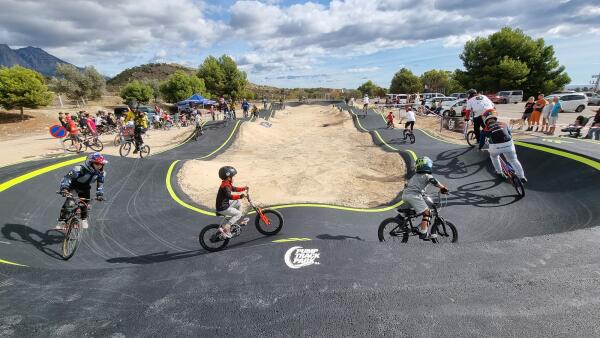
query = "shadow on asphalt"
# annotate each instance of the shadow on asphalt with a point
(157, 257)
(40, 240)
(338, 237)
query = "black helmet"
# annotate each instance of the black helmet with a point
(227, 171)
(472, 92)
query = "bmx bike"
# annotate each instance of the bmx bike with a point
(408, 134)
(267, 221)
(73, 229)
(401, 227)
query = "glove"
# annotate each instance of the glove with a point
(100, 198)
(64, 192)
(444, 190)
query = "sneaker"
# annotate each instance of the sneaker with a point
(523, 180)
(224, 234)
(60, 225)
(536, 129)
(501, 176)
(244, 221)
(135, 151)
(84, 224)
(422, 235)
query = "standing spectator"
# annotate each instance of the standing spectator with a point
(264, 101)
(545, 116)
(537, 111)
(91, 124)
(63, 122)
(527, 112)
(554, 115)
(72, 129)
(212, 111)
(82, 121)
(595, 128)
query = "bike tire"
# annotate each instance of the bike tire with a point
(274, 217)
(207, 234)
(445, 230)
(391, 230)
(71, 240)
(125, 149)
(412, 138)
(144, 151)
(518, 185)
(70, 146)
(471, 139)
(96, 145)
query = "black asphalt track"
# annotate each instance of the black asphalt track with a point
(140, 271)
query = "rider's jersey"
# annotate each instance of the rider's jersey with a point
(418, 183)
(224, 195)
(81, 177)
(496, 133)
(366, 100)
(479, 104)
(410, 116)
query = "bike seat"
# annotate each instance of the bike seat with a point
(407, 210)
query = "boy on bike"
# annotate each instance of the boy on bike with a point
(390, 120)
(500, 141)
(255, 111)
(410, 118)
(227, 203)
(413, 193)
(141, 125)
(78, 182)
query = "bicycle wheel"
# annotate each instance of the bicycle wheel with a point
(70, 145)
(445, 230)
(471, 139)
(273, 217)
(125, 149)
(209, 238)
(412, 137)
(519, 187)
(144, 151)
(96, 145)
(391, 230)
(71, 239)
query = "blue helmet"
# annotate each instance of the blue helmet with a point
(424, 165)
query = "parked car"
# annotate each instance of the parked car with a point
(563, 92)
(454, 108)
(589, 94)
(459, 95)
(120, 111)
(594, 100)
(571, 102)
(507, 96)
(428, 96)
(437, 99)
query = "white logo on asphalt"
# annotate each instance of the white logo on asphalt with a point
(296, 257)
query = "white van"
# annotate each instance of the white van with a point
(510, 96)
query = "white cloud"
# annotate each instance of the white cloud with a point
(363, 70)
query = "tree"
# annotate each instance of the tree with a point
(222, 77)
(405, 82)
(435, 80)
(180, 86)
(367, 88)
(155, 85)
(81, 85)
(22, 88)
(61, 87)
(136, 91)
(454, 85)
(509, 59)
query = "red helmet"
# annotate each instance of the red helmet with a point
(96, 158)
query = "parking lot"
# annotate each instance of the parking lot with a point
(515, 111)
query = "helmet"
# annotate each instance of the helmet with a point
(489, 114)
(424, 165)
(472, 92)
(227, 171)
(95, 158)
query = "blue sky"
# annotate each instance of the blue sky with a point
(298, 43)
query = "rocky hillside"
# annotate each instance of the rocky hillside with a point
(29, 57)
(150, 71)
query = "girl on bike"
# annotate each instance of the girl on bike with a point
(390, 120)
(500, 140)
(228, 204)
(413, 193)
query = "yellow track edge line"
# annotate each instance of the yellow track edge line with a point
(566, 154)
(176, 198)
(291, 239)
(20, 179)
(224, 143)
(12, 263)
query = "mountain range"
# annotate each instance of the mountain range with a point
(29, 57)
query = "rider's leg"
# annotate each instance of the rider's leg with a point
(234, 213)
(84, 210)
(137, 137)
(424, 221)
(495, 157)
(511, 157)
(477, 124)
(412, 125)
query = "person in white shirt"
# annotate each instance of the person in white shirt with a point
(366, 104)
(477, 104)
(410, 118)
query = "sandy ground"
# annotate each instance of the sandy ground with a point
(40, 146)
(309, 154)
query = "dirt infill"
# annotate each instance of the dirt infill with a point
(309, 154)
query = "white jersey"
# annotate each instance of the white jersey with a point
(366, 100)
(479, 104)
(410, 116)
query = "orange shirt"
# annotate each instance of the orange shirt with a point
(539, 104)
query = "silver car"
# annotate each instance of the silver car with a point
(594, 100)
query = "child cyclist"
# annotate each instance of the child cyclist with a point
(78, 182)
(500, 140)
(415, 187)
(229, 204)
(390, 120)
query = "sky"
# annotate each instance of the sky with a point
(286, 43)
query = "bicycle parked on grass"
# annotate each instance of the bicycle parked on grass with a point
(401, 227)
(73, 229)
(267, 221)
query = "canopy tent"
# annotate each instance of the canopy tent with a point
(195, 99)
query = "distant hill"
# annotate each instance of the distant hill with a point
(30, 57)
(150, 71)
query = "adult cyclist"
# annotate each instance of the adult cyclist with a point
(477, 104)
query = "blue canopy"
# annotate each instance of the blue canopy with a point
(196, 98)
